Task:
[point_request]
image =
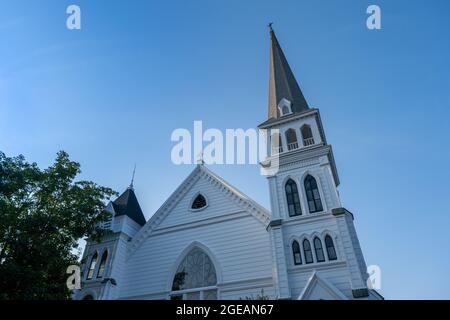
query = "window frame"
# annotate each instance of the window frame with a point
(295, 245)
(195, 198)
(291, 196)
(308, 180)
(92, 266)
(307, 140)
(102, 264)
(202, 289)
(307, 261)
(332, 246)
(317, 249)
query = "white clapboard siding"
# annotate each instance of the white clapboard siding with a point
(240, 246)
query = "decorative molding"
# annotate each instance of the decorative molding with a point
(290, 118)
(360, 293)
(275, 223)
(340, 211)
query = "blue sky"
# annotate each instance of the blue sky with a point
(112, 93)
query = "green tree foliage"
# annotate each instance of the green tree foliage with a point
(43, 215)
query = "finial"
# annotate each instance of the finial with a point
(270, 26)
(200, 159)
(132, 179)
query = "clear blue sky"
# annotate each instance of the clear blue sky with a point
(112, 93)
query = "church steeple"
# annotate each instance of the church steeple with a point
(282, 83)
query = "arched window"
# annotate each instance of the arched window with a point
(88, 297)
(102, 265)
(92, 266)
(277, 145)
(296, 253)
(307, 135)
(308, 252)
(199, 202)
(293, 200)
(291, 139)
(313, 195)
(319, 250)
(196, 271)
(331, 252)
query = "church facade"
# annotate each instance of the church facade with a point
(210, 241)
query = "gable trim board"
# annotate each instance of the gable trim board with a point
(316, 280)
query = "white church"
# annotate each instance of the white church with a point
(210, 241)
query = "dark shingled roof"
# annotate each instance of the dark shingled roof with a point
(128, 205)
(282, 83)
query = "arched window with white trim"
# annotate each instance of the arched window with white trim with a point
(313, 194)
(296, 253)
(331, 251)
(308, 252)
(102, 265)
(291, 139)
(195, 278)
(292, 198)
(92, 266)
(307, 135)
(319, 250)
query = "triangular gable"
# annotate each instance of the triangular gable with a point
(319, 288)
(243, 201)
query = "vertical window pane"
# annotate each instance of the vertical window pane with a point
(330, 248)
(296, 253)
(92, 266)
(319, 250)
(101, 267)
(293, 199)
(308, 252)
(313, 194)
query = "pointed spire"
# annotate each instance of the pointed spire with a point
(132, 179)
(282, 83)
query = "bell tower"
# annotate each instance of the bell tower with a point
(315, 247)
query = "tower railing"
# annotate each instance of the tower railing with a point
(308, 142)
(292, 146)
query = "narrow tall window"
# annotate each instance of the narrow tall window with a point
(92, 266)
(307, 135)
(291, 139)
(102, 265)
(199, 202)
(313, 195)
(296, 253)
(308, 252)
(319, 250)
(330, 248)
(293, 200)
